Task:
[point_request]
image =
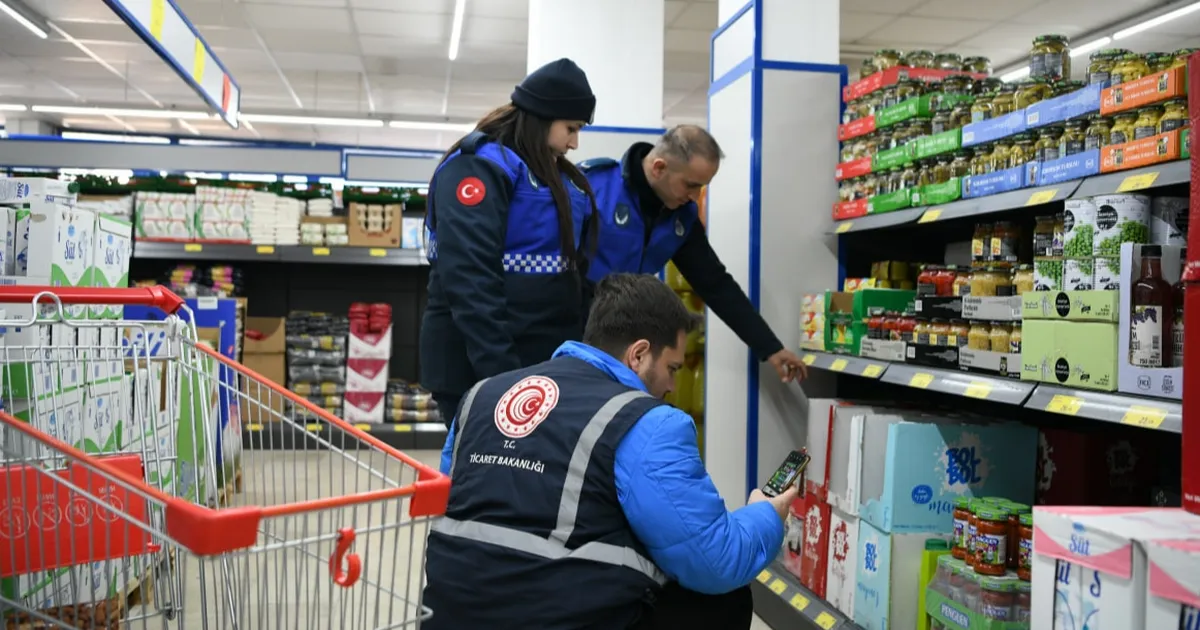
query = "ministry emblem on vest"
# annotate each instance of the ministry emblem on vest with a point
(621, 216)
(678, 227)
(525, 405)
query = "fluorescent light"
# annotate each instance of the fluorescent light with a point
(200, 175)
(128, 113)
(1158, 21)
(1015, 74)
(312, 120)
(253, 177)
(12, 107)
(202, 142)
(460, 9)
(431, 126)
(98, 172)
(110, 137)
(1079, 51)
(295, 179)
(22, 20)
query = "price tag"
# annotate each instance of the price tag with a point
(320, 251)
(254, 427)
(1065, 405)
(838, 365)
(933, 340)
(778, 587)
(314, 427)
(193, 247)
(844, 227)
(809, 359)
(799, 602)
(978, 389)
(403, 428)
(265, 249)
(872, 371)
(363, 427)
(1042, 196)
(157, 9)
(920, 380)
(764, 577)
(1145, 417)
(1138, 182)
(198, 61)
(378, 253)
(826, 621)
(930, 216)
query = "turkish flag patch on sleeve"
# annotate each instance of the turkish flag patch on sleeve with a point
(471, 191)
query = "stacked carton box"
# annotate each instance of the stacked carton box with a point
(369, 352)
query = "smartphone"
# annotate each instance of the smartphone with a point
(787, 473)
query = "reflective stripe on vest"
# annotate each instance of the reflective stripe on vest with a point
(461, 418)
(554, 547)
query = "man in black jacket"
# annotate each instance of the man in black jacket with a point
(648, 215)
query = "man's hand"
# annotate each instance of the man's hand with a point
(788, 366)
(781, 503)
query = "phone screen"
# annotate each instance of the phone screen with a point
(786, 474)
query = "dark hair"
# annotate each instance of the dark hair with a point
(628, 307)
(528, 136)
(684, 142)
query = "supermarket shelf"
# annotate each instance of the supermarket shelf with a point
(1168, 174)
(999, 203)
(858, 366)
(955, 383)
(877, 221)
(784, 604)
(1149, 413)
(279, 436)
(278, 253)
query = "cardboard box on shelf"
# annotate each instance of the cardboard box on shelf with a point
(793, 537)
(368, 345)
(1163, 382)
(993, 129)
(887, 578)
(1173, 589)
(1067, 168)
(110, 266)
(849, 209)
(815, 544)
(364, 407)
(819, 431)
(1073, 354)
(375, 226)
(1082, 306)
(1164, 147)
(891, 76)
(1153, 88)
(266, 356)
(855, 168)
(366, 375)
(842, 559)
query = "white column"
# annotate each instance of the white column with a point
(619, 44)
(774, 106)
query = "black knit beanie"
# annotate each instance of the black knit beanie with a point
(558, 90)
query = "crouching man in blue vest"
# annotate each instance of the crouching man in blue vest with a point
(648, 216)
(578, 498)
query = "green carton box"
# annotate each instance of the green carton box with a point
(888, 202)
(935, 194)
(888, 299)
(1072, 354)
(920, 107)
(892, 158)
(955, 615)
(1078, 306)
(938, 143)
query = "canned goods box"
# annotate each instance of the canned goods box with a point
(1081, 306)
(1070, 353)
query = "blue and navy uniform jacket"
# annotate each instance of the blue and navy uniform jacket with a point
(574, 519)
(501, 293)
(637, 233)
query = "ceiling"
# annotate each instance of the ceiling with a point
(388, 57)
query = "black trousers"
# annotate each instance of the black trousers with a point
(447, 406)
(677, 608)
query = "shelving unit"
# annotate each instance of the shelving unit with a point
(782, 602)
(157, 250)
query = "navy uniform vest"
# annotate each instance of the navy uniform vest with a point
(534, 535)
(624, 245)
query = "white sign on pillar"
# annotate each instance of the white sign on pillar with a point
(774, 104)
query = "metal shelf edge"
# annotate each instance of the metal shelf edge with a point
(844, 363)
(957, 383)
(1148, 413)
(155, 250)
(784, 604)
(1158, 175)
(876, 221)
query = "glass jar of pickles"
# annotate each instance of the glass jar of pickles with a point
(1059, 88)
(941, 169)
(1100, 67)
(887, 97)
(960, 166)
(895, 179)
(1146, 124)
(1022, 279)
(1174, 116)
(985, 281)
(940, 121)
(924, 173)
(919, 127)
(1180, 57)
(1014, 337)
(1072, 139)
(883, 139)
(988, 85)
(999, 336)
(886, 58)
(977, 65)
(1030, 91)
(979, 337)
(1130, 67)
(1050, 57)
(959, 84)
(1158, 61)
(846, 190)
(948, 61)
(1004, 100)
(919, 59)
(960, 116)
(908, 177)
(1001, 151)
(874, 103)
(907, 89)
(1098, 132)
(1123, 128)
(1046, 147)
(1022, 150)
(981, 109)
(981, 162)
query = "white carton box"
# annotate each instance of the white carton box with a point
(8, 226)
(1173, 598)
(59, 415)
(887, 566)
(840, 581)
(366, 375)
(820, 431)
(110, 266)
(365, 407)
(370, 345)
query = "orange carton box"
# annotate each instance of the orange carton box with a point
(1153, 88)
(1163, 147)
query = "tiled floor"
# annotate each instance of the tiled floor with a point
(287, 583)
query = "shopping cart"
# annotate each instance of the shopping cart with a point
(128, 497)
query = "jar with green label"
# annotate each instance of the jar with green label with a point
(1146, 124)
(1100, 68)
(1050, 57)
(1098, 133)
(1073, 138)
(1123, 128)
(991, 540)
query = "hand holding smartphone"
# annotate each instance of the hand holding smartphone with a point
(791, 470)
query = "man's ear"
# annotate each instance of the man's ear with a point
(658, 167)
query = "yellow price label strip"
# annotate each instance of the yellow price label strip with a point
(264, 249)
(871, 371)
(320, 251)
(198, 61)
(1065, 405)
(377, 252)
(403, 428)
(158, 9)
(799, 602)
(764, 576)
(1042, 196)
(838, 365)
(978, 389)
(778, 587)
(930, 216)
(826, 620)
(1145, 417)
(254, 427)
(363, 427)
(193, 247)
(920, 380)
(314, 427)
(844, 227)
(1138, 182)
(809, 359)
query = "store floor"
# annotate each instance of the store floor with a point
(288, 585)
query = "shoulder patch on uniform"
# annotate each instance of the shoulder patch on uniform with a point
(525, 405)
(597, 164)
(470, 191)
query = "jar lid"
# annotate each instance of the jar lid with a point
(1020, 508)
(919, 52)
(993, 513)
(996, 584)
(962, 502)
(887, 51)
(949, 55)
(976, 58)
(1027, 519)
(1023, 587)
(1180, 101)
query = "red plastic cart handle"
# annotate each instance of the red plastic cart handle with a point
(345, 578)
(156, 296)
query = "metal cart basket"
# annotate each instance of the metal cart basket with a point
(130, 499)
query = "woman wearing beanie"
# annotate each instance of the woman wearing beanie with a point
(506, 210)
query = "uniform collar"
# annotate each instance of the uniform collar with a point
(635, 179)
(602, 361)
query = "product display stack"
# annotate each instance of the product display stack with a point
(261, 218)
(287, 220)
(370, 350)
(689, 381)
(316, 357)
(409, 402)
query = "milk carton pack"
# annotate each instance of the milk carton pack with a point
(8, 249)
(112, 248)
(1173, 598)
(59, 243)
(887, 581)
